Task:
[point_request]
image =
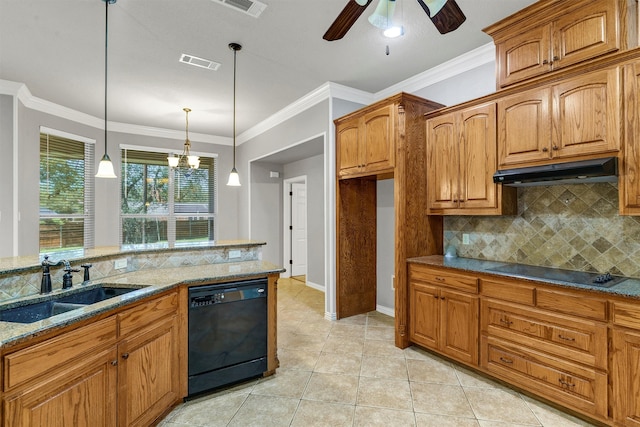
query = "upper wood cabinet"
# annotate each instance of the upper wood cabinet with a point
(629, 182)
(461, 159)
(552, 34)
(366, 143)
(576, 118)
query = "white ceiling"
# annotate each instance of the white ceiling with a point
(56, 47)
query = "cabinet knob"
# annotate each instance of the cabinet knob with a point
(442, 298)
(555, 58)
(125, 355)
(555, 147)
(545, 62)
(545, 149)
(114, 362)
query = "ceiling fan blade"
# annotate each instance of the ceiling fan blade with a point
(446, 19)
(345, 20)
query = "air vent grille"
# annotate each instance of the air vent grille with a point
(250, 7)
(199, 62)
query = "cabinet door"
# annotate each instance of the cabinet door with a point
(81, 396)
(459, 326)
(625, 377)
(524, 56)
(148, 374)
(586, 114)
(478, 152)
(442, 163)
(587, 31)
(378, 143)
(424, 314)
(524, 127)
(630, 169)
(348, 140)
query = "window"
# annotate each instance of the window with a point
(66, 192)
(163, 206)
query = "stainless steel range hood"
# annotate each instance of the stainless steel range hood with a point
(596, 170)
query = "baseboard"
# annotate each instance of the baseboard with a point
(386, 310)
(315, 286)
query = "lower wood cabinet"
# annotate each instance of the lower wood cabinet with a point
(119, 371)
(442, 318)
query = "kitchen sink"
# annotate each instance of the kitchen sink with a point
(58, 304)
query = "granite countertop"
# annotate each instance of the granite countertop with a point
(152, 281)
(630, 287)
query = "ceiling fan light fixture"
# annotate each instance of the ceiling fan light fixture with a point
(362, 2)
(383, 16)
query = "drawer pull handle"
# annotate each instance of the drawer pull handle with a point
(125, 356)
(505, 360)
(565, 383)
(506, 322)
(562, 337)
(441, 279)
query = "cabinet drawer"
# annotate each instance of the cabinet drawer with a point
(553, 378)
(443, 278)
(57, 352)
(571, 338)
(625, 314)
(575, 304)
(509, 291)
(145, 314)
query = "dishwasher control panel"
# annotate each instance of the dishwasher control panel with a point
(202, 296)
(207, 300)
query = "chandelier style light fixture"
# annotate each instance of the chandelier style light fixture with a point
(234, 178)
(105, 169)
(185, 160)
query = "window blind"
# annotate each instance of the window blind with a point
(66, 193)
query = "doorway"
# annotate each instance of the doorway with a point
(295, 226)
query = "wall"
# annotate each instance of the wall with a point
(576, 227)
(385, 246)
(6, 175)
(107, 190)
(313, 169)
(463, 87)
(266, 203)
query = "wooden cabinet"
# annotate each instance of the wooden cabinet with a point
(629, 182)
(366, 143)
(575, 119)
(625, 363)
(552, 34)
(550, 342)
(461, 158)
(443, 318)
(121, 370)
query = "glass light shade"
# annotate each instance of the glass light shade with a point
(105, 169)
(193, 161)
(435, 6)
(383, 15)
(393, 32)
(234, 178)
(173, 160)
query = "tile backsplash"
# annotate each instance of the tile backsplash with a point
(576, 227)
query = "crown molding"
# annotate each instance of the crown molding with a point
(458, 65)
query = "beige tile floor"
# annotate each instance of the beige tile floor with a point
(349, 373)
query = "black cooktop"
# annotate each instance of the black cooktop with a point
(577, 277)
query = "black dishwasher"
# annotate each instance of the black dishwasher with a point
(227, 333)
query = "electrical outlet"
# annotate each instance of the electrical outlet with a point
(235, 254)
(393, 281)
(465, 239)
(120, 264)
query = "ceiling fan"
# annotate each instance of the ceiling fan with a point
(445, 15)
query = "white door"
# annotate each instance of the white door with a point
(298, 229)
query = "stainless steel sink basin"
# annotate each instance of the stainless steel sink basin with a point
(58, 304)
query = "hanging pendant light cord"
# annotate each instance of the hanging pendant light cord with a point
(235, 52)
(106, 38)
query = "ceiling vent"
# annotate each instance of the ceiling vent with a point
(250, 7)
(199, 62)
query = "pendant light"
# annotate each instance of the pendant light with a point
(185, 159)
(105, 169)
(234, 178)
